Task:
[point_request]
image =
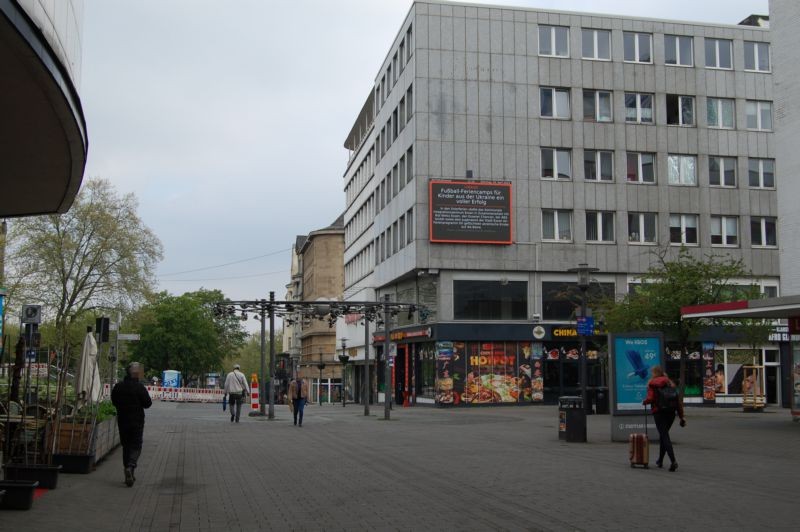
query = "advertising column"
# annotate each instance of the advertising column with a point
(631, 358)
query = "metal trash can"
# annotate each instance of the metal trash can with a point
(571, 419)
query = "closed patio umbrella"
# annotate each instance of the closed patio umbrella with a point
(89, 375)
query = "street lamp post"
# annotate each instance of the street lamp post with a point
(387, 373)
(583, 270)
(320, 366)
(367, 387)
(343, 358)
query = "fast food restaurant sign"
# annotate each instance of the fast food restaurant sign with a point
(469, 212)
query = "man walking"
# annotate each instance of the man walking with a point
(298, 392)
(130, 398)
(236, 388)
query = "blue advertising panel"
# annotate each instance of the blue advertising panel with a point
(633, 357)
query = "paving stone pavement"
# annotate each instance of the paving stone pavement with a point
(484, 468)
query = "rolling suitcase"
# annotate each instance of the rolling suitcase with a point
(639, 447)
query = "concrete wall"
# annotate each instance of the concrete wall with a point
(785, 22)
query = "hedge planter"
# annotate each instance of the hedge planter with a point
(78, 448)
(45, 475)
(19, 494)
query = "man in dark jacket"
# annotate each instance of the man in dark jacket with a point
(130, 398)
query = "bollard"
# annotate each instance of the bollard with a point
(254, 392)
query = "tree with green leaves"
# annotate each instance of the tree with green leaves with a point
(249, 355)
(671, 284)
(183, 333)
(97, 257)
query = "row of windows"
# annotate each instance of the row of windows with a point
(598, 165)
(509, 300)
(638, 48)
(360, 221)
(361, 176)
(554, 102)
(401, 57)
(360, 265)
(397, 178)
(396, 123)
(557, 226)
(396, 236)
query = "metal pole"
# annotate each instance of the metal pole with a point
(584, 372)
(116, 351)
(271, 355)
(367, 383)
(387, 372)
(262, 384)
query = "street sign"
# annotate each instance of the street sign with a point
(133, 337)
(586, 325)
(31, 314)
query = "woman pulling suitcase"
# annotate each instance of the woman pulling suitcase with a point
(662, 396)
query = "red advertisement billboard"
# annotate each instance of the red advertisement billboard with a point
(470, 212)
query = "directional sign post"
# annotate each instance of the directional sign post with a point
(131, 337)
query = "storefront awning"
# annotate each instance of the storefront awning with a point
(787, 307)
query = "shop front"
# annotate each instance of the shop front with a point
(460, 364)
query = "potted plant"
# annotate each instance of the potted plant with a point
(83, 440)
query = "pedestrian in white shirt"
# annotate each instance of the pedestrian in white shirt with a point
(236, 388)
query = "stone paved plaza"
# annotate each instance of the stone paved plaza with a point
(430, 469)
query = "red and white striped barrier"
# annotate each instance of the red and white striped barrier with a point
(254, 392)
(186, 395)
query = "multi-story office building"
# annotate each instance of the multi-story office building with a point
(43, 139)
(500, 147)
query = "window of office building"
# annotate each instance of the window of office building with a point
(637, 47)
(561, 299)
(756, 56)
(554, 103)
(556, 225)
(554, 41)
(682, 169)
(763, 232)
(680, 110)
(722, 171)
(683, 229)
(641, 167)
(639, 108)
(642, 227)
(719, 53)
(599, 226)
(556, 164)
(598, 165)
(725, 231)
(759, 115)
(597, 106)
(596, 44)
(490, 300)
(678, 50)
(721, 113)
(761, 173)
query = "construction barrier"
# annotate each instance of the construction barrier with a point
(254, 392)
(186, 395)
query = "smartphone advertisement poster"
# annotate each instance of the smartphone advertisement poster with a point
(634, 356)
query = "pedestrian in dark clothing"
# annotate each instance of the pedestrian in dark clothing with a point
(130, 398)
(664, 415)
(298, 392)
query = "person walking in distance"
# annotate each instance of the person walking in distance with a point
(298, 392)
(130, 398)
(236, 388)
(662, 396)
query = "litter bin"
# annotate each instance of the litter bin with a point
(571, 419)
(601, 401)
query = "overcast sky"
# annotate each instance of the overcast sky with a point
(227, 118)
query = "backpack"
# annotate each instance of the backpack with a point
(667, 399)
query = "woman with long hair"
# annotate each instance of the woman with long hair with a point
(664, 414)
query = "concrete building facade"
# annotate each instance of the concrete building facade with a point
(598, 139)
(320, 276)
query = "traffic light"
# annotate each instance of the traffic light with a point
(102, 326)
